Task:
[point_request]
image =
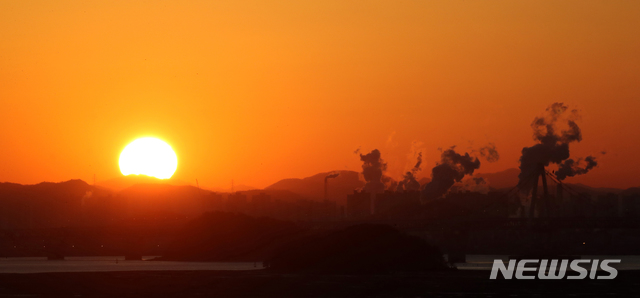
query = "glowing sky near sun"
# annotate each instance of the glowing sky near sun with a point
(257, 91)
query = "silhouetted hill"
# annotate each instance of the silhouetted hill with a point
(44, 204)
(631, 191)
(223, 236)
(503, 179)
(360, 249)
(606, 190)
(509, 178)
(236, 188)
(52, 189)
(276, 194)
(164, 198)
(74, 202)
(122, 182)
(348, 181)
(573, 188)
(313, 187)
(581, 188)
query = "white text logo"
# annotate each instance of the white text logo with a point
(549, 269)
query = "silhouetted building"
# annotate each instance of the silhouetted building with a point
(261, 204)
(630, 206)
(236, 202)
(358, 204)
(581, 205)
(386, 201)
(606, 205)
(327, 210)
(214, 202)
(469, 204)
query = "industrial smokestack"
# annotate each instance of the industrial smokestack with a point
(326, 180)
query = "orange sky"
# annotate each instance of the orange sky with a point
(256, 92)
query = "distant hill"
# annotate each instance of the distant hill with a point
(509, 178)
(339, 187)
(631, 191)
(313, 187)
(156, 198)
(75, 202)
(348, 181)
(31, 205)
(51, 189)
(122, 182)
(276, 194)
(503, 179)
(236, 188)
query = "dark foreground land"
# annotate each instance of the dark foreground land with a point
(266, 284)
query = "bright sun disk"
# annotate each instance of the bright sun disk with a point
(148, 156)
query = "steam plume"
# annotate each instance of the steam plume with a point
(331, 175)
(326, 180)
(490, 153)
(409, 181)
(452, 168)
(570, 168)
(417, 168)
(372, 168)
(554, 132)
(476, 184)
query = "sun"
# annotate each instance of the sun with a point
(148, 156)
